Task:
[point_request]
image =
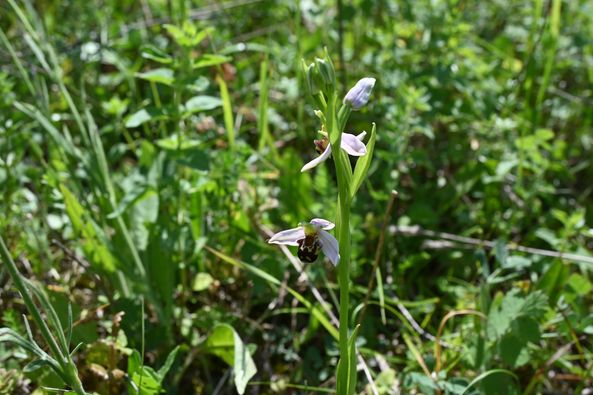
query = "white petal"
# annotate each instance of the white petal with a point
(361, 136)
(352, 145)
(330, 247)
(288, 237)
(318, 160)
(322, 223)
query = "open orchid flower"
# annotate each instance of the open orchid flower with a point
(310, 237)
(350, 143)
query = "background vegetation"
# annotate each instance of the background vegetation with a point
(148, 149)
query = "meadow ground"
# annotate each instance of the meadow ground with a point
(151, 158)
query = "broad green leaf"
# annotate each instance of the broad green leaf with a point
(505, 310)
(225, 343)
(201, 282)
(160, 75)
(202, 103)
(513, 351)
(579, 284)
(144, 115)
(144, 380)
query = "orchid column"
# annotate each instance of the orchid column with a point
(321, 82)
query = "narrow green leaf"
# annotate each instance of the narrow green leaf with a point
(363, 163)
(227, 110)
(486, 374)
(94, 243)
(162, 372)
(319, 314)
(352, 374)
(208, 60)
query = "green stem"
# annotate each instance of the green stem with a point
(66, 364)
(344, 281)
(28, 299)
(344, 174)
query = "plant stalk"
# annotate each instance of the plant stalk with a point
(344, 174)
(66, 364)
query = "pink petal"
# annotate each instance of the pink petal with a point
(288, 237)
(322, 223)
(329, 246)
(352, 145)
(321, 158)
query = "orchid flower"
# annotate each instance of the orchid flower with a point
(350, 143)
(360, 93)
(310, 237)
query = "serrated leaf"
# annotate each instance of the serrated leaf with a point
(579, 284)
(511, 307)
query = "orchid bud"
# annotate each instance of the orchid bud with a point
(360, 93)
(326, 72)
(312, 84)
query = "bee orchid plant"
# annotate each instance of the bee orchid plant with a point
(311, 237)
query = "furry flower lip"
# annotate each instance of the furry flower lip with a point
(360, 93)
(350, 143)
(310, 237)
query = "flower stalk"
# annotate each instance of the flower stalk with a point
(312, 236)
(334, 122)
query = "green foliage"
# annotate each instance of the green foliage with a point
(148, 150)
(225, 343)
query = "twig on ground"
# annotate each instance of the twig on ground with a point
(418, 231)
